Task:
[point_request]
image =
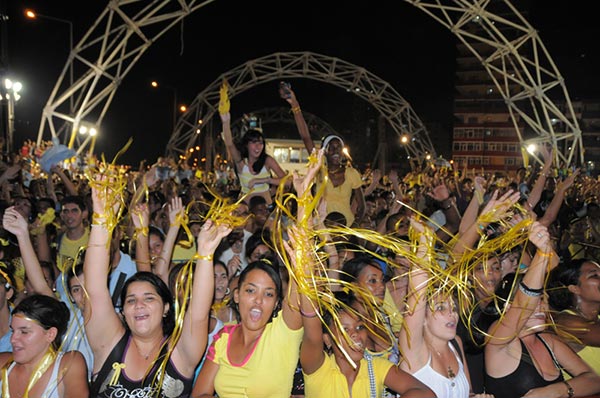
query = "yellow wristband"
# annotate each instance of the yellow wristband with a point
(206, 258)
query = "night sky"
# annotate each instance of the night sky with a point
(392, 40)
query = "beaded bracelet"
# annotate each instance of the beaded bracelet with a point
(296, 109)
(529, 291)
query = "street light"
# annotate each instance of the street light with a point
(92, 132)
(31, 14)
(9, 92)
(156, 85)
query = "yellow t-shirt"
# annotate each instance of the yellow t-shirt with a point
(339, 198)
(590, 354)
(267, 372)
(69, 248)
(392, 310)
(183, 254)
(329, 381)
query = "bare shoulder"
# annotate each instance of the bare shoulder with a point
(72, 358)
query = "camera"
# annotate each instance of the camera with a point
(284, 90)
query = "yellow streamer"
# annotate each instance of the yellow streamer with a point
(224, 103)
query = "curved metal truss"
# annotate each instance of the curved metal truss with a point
(334, 71)
(102, 59)
(519, 65)
(282, 115)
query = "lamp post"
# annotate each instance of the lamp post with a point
(31, 14)
(9, 92)
(157, 85)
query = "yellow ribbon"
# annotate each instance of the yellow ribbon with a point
(117, 367)
(41, 367)
(224, 103)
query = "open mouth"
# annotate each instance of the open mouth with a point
(255, 314)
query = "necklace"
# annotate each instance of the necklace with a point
(449, 372)
(145, 356)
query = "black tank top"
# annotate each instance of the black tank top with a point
(523, 379)
(174, 384)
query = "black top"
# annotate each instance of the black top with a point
(523, 379)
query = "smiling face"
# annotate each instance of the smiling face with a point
(255, 148)
(356, 331)
(29, 340)
(143, 308)
(334, 152)
(221, 282)
(257, 297)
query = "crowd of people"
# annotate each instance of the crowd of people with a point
(334, 282)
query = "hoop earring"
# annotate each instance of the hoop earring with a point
(227, 291)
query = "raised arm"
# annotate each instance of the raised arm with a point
(499, 206)
(290, 97)
(163, 262)
(69, 186)
(470, 215)
(528, 294)
(411, 340)
(228, 138)
(561, 190)
(14, 223)
(104, 327)
(140, 218)
(440, 194)
(194, 334)
(538, 187)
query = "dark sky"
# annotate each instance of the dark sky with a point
(391, 39)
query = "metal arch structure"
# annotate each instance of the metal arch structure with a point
(521, 69)
(101, 60)
(334, 71)
(127, 28)
(284, 116)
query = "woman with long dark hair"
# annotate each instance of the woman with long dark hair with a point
(256, 170)
(136, 354)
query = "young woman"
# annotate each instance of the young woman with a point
(128, 356)
(520, 358)
(366, 272)
(258, 356)
(428, 341)
(253, 166)
(330, 374)
(36, 367)
(343, 191)
(575, 294)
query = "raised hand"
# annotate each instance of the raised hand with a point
(501, 205)
(13, 222)
(210, 236)
(141, 216)
(176, 211)
(540, 237)
(302, 184)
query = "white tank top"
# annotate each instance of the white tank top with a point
(443, 387)
(51, 390)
